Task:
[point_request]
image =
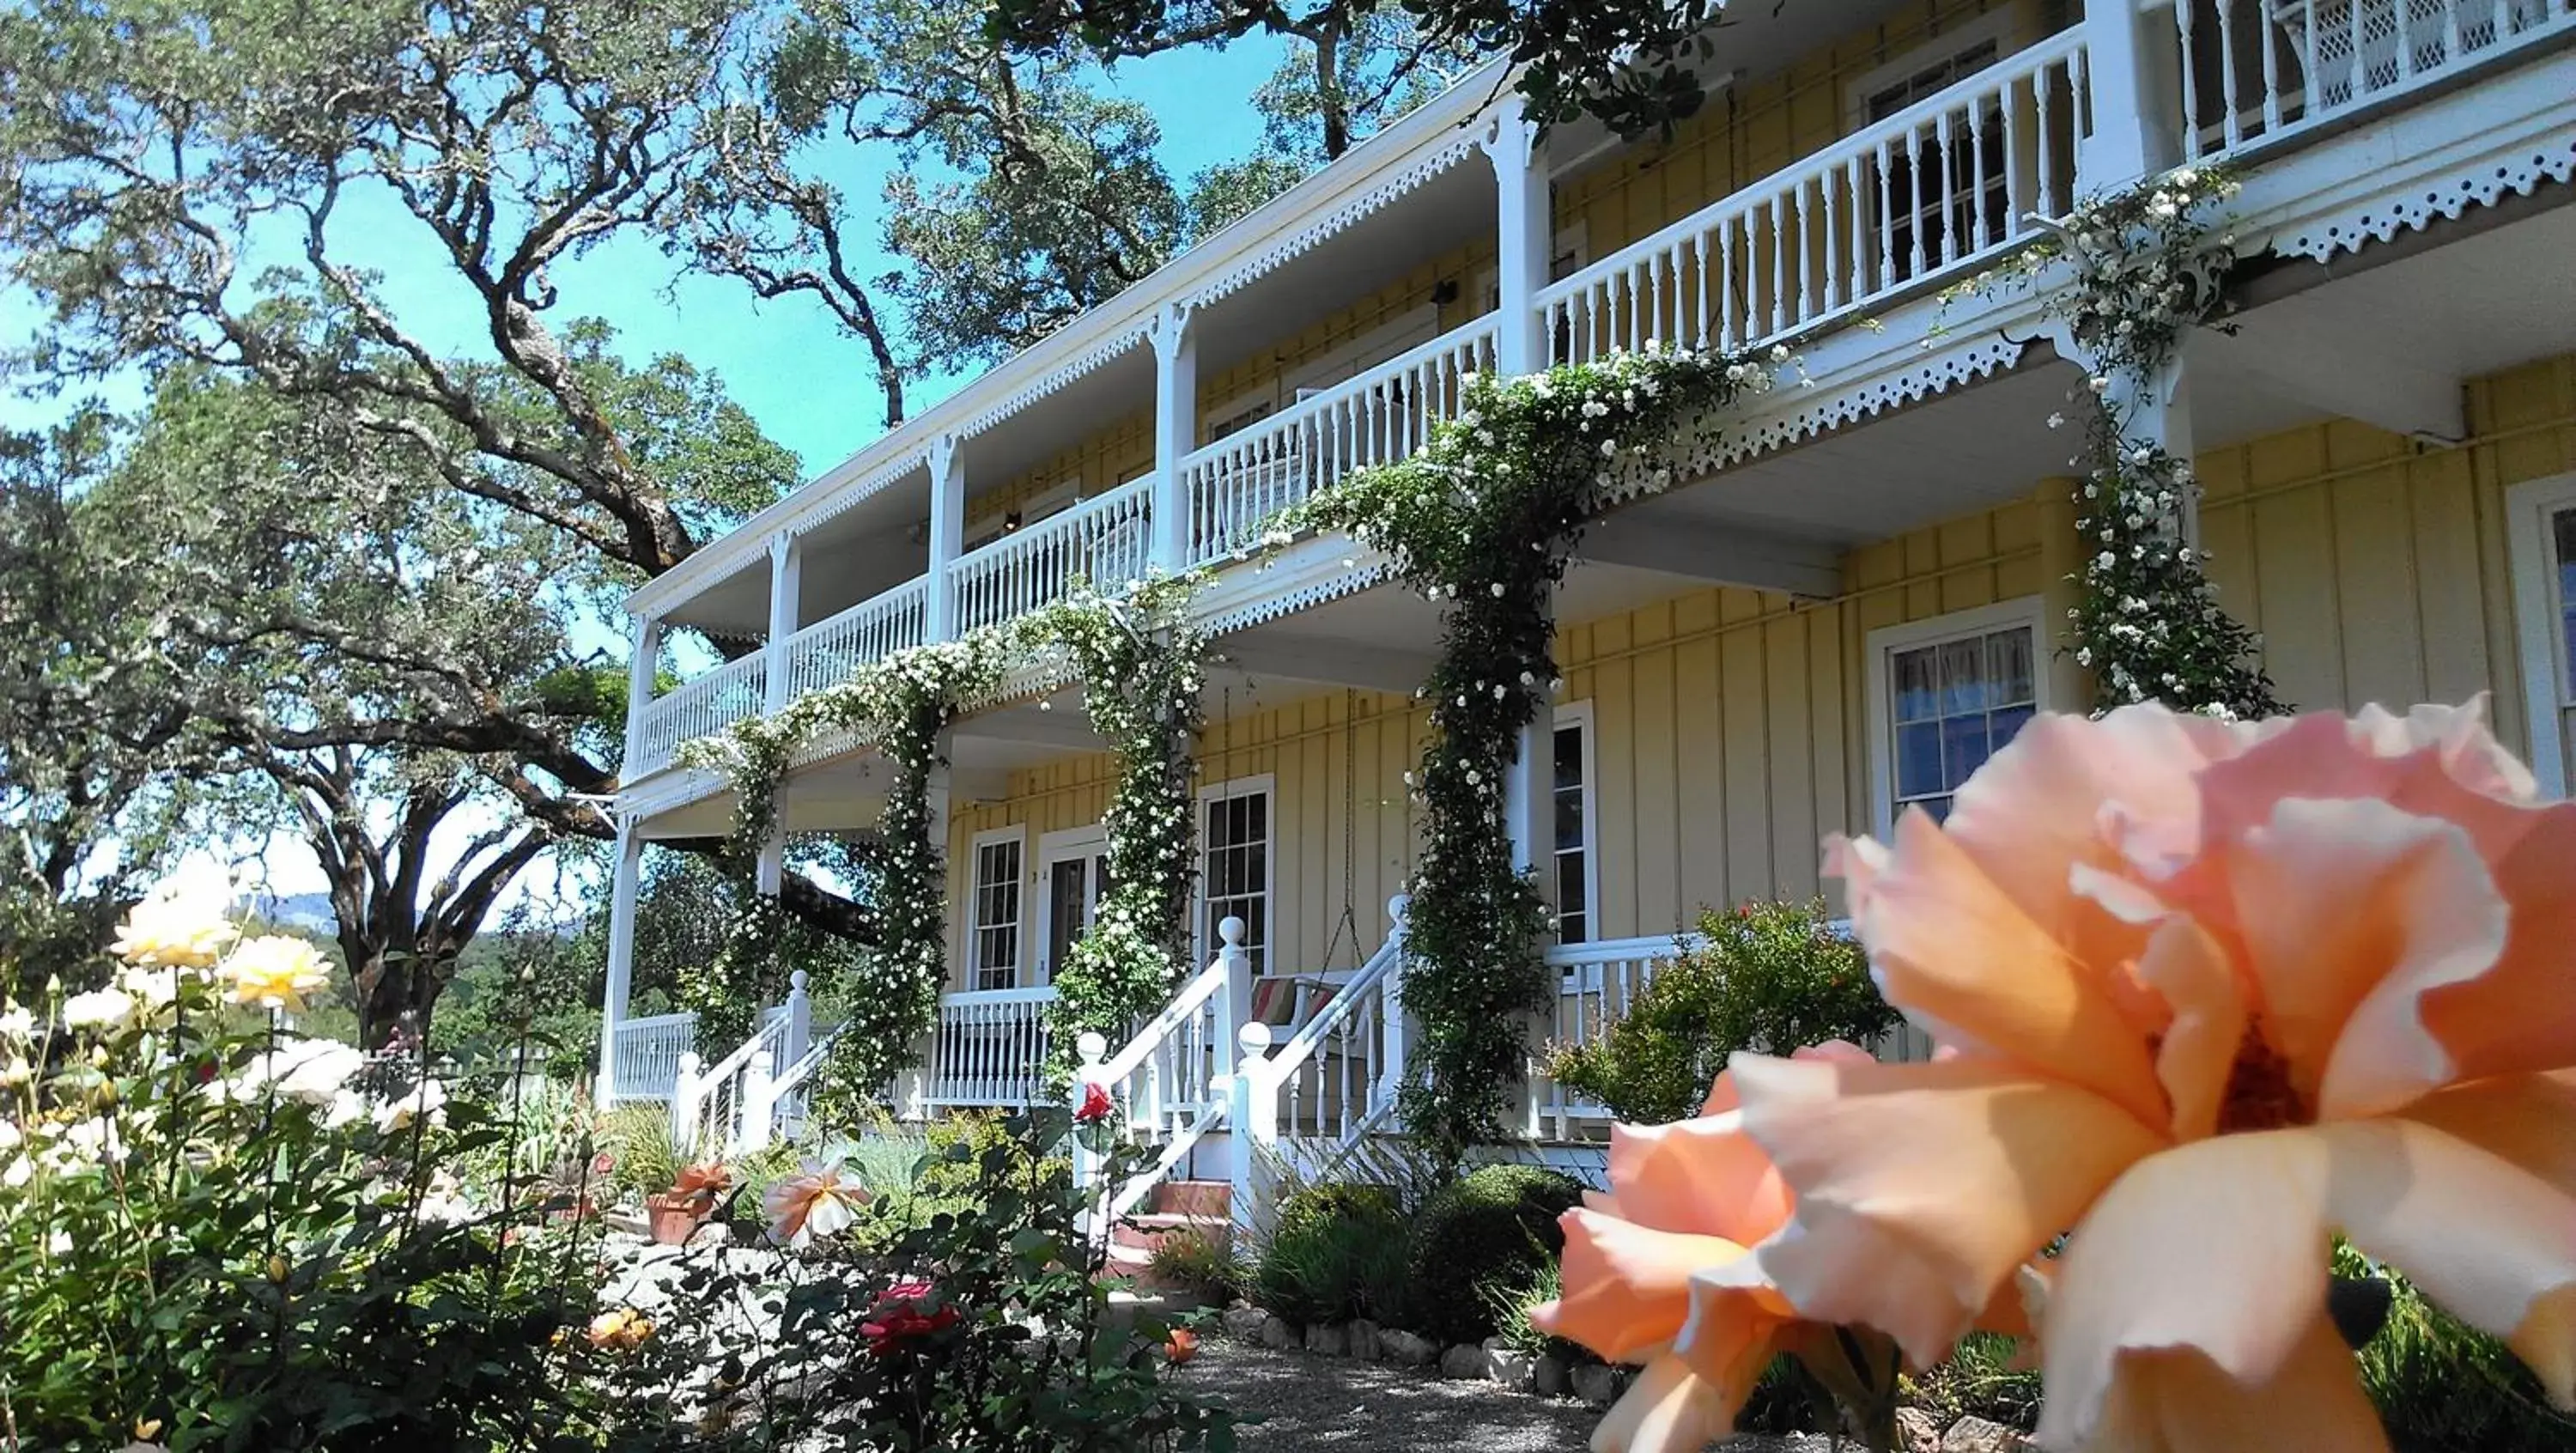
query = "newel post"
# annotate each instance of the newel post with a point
(1088, 1075)
(758, 1080)
(1252, 1124)
(684, 1104)
(1234, 1001)
(1395, 1042)
(800, 1019)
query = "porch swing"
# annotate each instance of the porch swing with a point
(1288, 1002)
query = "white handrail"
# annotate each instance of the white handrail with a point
(727, 1104)
(828, 651)
(1168, 1083)
(1339, 1075)
(702, 707)
(646, 1054)
(1236, 484)
(990, 1048)
(1104, 540)
(1938, 187)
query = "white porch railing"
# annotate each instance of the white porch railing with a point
(709, 704)
(1105, 540)
(645, 1054)
(1169, 1082)
(1938, 187)
(1238, 483)
(1595, 984)
(827, 652)
(1336, 1079)
(2259, 68)
(725, 1107)
(990, 1048)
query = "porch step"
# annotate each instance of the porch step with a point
(1147, 1232)
(1195, 1198)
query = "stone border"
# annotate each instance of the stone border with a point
(1596, 1383)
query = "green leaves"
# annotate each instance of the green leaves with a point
(1484, 520)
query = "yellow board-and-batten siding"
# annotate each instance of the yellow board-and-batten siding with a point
(1748, 131)
(1731, 729)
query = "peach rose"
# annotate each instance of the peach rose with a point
(2210, 992)
(1683, 1198)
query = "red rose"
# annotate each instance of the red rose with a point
(1095, 1104)
(899, 1317)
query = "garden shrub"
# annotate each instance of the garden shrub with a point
(1493, 1231)
(1334, 1253)
(1766, 976)
(642, 1157)
(244, 1238)
(984, 1327)
(959, 1144)
(1197, 1262)
(2444, 1387)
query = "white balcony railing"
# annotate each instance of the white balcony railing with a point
(646, 1054)
(709, 704)
(990, 1048)
(1238, 483)
(1105, 540)
(1940, 186)
(827, 652)
(2259, 68)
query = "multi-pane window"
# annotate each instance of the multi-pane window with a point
(1952, 704)
(1947, 193)
(1573, 834)
(1234, 867)
(994, 950)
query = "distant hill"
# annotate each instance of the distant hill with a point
(306, 912)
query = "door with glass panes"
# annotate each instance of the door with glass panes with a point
(1073, 874)
(2541, 537)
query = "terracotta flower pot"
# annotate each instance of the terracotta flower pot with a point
(672, 1219)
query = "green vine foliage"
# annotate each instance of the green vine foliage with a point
(1141, 662)
(1141, 667)
(1484, 520)
(2149, 266)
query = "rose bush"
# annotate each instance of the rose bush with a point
(240, 1238)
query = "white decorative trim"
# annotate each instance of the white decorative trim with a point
(1942, 371)
(1094, 357)
(2419, 207)
(2319, 197)
(841, 501)
(1329, 585)
(1323, 225)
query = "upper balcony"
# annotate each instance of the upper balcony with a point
(1125, 443)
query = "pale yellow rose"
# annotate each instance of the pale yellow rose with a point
(275, 971)
(167, 931)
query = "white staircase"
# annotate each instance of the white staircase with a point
(1213, 1096)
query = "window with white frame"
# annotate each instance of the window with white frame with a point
(993, 939)
(1234, 865)
(2540, 539)
(1573, 792)
(1945, 694)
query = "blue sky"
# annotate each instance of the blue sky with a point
(809, 387)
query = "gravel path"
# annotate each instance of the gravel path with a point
(1331, 1404)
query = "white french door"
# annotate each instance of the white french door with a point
(1073, 873)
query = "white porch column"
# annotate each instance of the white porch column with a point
(786, 601)
(624, 885)
(1520, 265)
(642, 665)
(947, 531)
(1176, 429)
(786, 584)
(2132, 60)
(2158, 411)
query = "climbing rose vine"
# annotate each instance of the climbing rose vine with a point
(1483, 520)
(2147, 621)
(1139, 662)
